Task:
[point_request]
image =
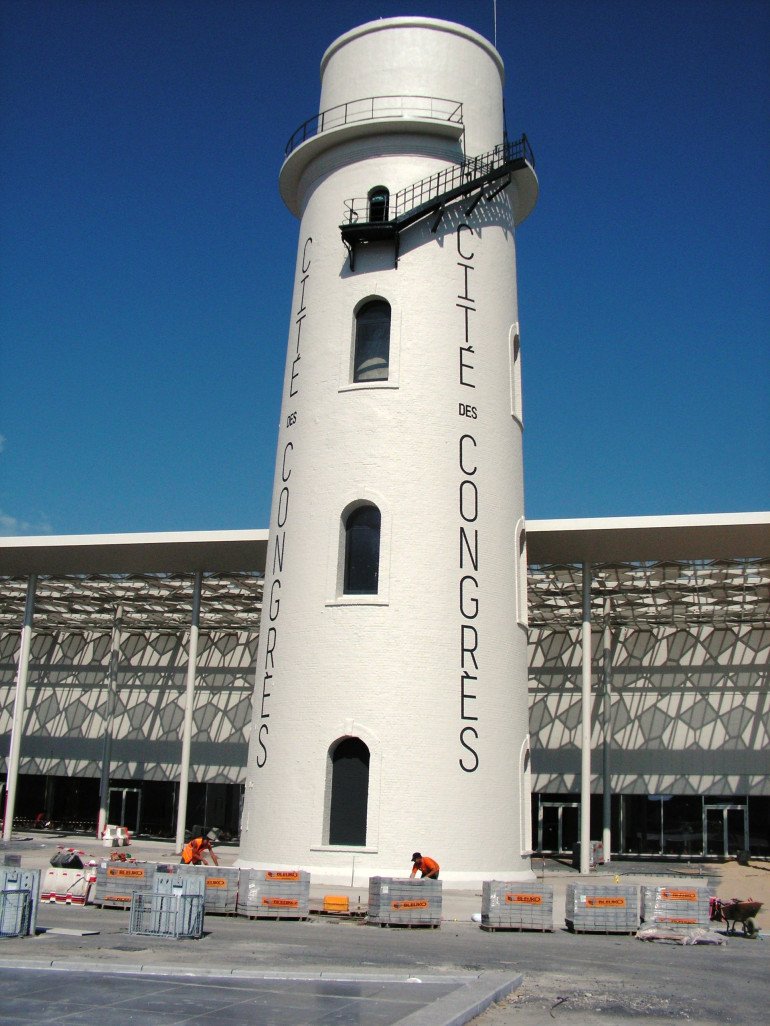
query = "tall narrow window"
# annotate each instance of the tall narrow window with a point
(516, 403)
(522, 607)
(362, 551)
(372, 353)
(379, 198)
(350, 792)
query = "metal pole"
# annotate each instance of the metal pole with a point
(606, 737)
(585, 741)
(109, 715)
(184, 769)
(19, 705)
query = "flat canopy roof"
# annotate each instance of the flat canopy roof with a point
(166, 552)
(644, 571)
(639, 539)
(599, 540)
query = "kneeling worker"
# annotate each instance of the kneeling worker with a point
(428, 867)
(192, 853)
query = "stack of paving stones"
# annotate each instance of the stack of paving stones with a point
(602, 908)
(516, 906)
(404, 902)
(274, 894)
(116, 882)
(10, 858)
(220, 888)
(676, 906)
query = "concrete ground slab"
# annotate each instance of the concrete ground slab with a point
(578, 978)
(153, 995)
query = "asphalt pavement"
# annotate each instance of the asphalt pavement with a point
(343, 971)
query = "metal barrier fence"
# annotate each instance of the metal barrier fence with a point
(15, 913)
(167, 915)
(18, 911)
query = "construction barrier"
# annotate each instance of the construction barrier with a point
(220, 892)
(676, 906)
(516, 906)
(404, 902)
(19, 889)
(115, 837)
(175, 908)
(274, 894)
(67, 886)
(116, 882)
(602, 908)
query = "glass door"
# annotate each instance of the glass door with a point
(724, 829)
(559, 827)
(125, 807)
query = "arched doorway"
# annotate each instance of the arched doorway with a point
(350, 792)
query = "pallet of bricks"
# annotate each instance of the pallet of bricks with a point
(677, 907)
(274, 894)
(116, 882)
(602, 908)
(220, 887)
(404, 902)
(516, 906)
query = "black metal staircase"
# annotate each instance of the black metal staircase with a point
(485, 176)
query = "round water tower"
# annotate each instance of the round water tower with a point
(390, 711)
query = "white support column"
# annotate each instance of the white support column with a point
(112, 685)
(585, 740)
(19, 705)
(607, 736)
(184, 769)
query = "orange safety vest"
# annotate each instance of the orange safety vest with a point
(192, 851)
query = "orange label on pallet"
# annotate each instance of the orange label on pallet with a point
(133, 873)
(281, 902)
(606, 902)
(276, 875)
(524, 899)
(117, 897)
(215, 881)
(409, 904)
(668, 895)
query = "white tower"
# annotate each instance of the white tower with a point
(390, 711)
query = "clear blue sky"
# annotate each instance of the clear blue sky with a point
(146, 259)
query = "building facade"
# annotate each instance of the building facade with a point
(680, 680)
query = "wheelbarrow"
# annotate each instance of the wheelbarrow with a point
(736, 911)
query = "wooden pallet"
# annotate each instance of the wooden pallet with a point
(515, 929)
(406, 926)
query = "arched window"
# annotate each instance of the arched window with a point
(349, 792)
(362, 551)
(379, 198)
(372, 353)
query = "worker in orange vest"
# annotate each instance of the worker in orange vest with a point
(192, 854)
(428, 867)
